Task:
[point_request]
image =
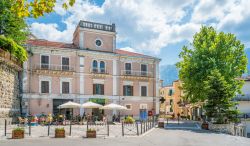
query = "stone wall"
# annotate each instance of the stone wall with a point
(223, 128)
(232, 129)
(9, 91)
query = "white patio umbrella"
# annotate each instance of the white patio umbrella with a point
(69, 104)
(90, 104)
(113, 106)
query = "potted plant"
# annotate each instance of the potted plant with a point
(18, 133)
(59, 133)
(161, 122)
(91, 133)
(129, 120)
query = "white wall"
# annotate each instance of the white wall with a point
(246, 88)
(244, 106)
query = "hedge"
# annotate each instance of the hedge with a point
(11, 46)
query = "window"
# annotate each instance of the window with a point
(44, 86)
(102, 67)
(143, 90)
(127, 90)
(65, 63)
(98, 43)
(143, 106)
(171, 105)
(95, 66)
(128, 106)
(44, 62)
(144, 69)
(65, 87)
(171, 92)
(128, 68)
(98, 89)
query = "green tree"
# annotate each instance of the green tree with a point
(219, 104)
(211, 51)
(36, 8)
(12, 26)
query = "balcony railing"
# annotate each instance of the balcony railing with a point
(54, 67)
(136, 73)
(98, 70)
(98, 26)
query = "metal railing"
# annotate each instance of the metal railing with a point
(98, 70)
(44, 66)
(136, 73)
(98, 26)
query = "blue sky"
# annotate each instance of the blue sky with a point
(159, 28)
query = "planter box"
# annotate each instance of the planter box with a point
(59, 133)
(204, 126)
(161, 124)
(91, 134)
(17, 134)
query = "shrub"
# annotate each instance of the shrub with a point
(18, 129)
(129, 119)
(13, 48)
(91, 129)
(59, 129)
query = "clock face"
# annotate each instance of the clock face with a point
(98, 43)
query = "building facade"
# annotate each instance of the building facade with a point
(175, 104)
(90, 68)
(167, 107)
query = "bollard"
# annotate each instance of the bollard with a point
(141, 127)
(147, 125)
(144, 126)
(108, 127)
(5, 127)
(122, 129)
(29, 129)
(48, 129)
(137, 128)
(70, 128)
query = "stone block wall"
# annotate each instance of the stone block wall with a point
(9, 91)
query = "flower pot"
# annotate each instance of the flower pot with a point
(161, 124)
(17, 134)
(59, 133)
(91, 134)
(204, 126)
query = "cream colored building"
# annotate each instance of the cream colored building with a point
(89, 68)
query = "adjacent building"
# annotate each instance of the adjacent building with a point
(175, 104)
(90, 68)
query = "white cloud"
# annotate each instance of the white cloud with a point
(128, 49)
(148, 25)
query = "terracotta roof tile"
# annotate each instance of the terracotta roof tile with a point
(49, 44)
(123, 52)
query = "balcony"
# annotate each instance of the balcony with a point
(136, 73)
(98, 71)
(54, 69)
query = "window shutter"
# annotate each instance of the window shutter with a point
(102, 89)
(124, 90)
(94, 88)
(132, 91)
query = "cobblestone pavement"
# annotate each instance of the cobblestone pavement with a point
(154, 137)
